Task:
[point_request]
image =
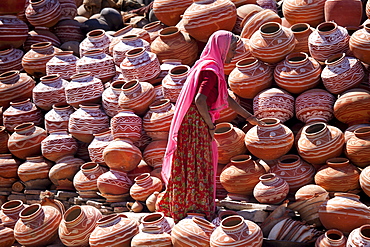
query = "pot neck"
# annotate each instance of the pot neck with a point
(6, 50)
(271, 29)
(335, 237)
(13, 206)
(43, 48)
(49, 79)
(82, 77)
(96, 35)
(337, 162)
(315, 130)
(233, 223)
(25, 128)
(362, 133)
(154, 218)
(289, 161)
(327, 28)
(131, 87)
(10, 77)
(35, 159)
(74, 216)
(162, 105)
(31, 214)
(22, 104)
(335, 60)
(297, 59)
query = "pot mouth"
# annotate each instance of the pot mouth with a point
(267, 176)
(117, 84)
(168, 31)
(80, 75)
(72, 213)
(135, 51)
(362, 130)
(223, 128)
(299, 27)
(151, 25)
(142, 177)
(30, 211)
(96, 33)
(335, 58)
(232, 221)
(129, 36)
(334, 235)
(61, 106)
(289, 159)
(315, 128)
(326, 26)
(24, 126)
(247, 62)
(270, 28)
(41, 45)
(337, 160)
(18, 102)
(63, 53)
(365, 231)
(152, 217)
(9, 74)
(89, 166)
(130, 84)
(270, 121)
(158, 103)
(50, 77)
(12, 204)
(297, 57)
(179, 70)
(241, 158)
(107, 219)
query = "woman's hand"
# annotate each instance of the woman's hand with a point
(253, 120)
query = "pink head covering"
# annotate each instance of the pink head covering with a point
(212, 58)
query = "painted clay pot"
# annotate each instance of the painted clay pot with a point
(253, 21)
(230, 140)
(9, 213)
(114, 230)
(95, 39)
(153, 153)
(58, 117)
(63, 64)
(49, 91)
(228, 114)
(241, 175)
(271, 189)
(69, 31)
(7, 236)
(101, 140)
(12, 7)
(110, 98)
(68, 8)
(144, 186)
(114, 182)
(26, 140)
(319, 142)
(297, 73)
(346, 13)
(241, 52)
(126, 124)
(301, 32)
(365, 180)
(359, 44)
(342, 73)
(243, 11)
(8, 166)
(350, 107)
(250, 77)
(359, 236)
(58, 144)
(85, 180)
(294, 171)
(20, 112)
(152, 236)
(141, 168)
(44, 13)
(14, 86)
(271, 43)
(338, 175)
(13, 31)
(173, 82)
(11, 59)
(77, 224)
(128, 30)
(34, 220)
(356, 148)
(328, 39)
(88, 120)
(297, 11)
(236, 231)
(40, 34)
(270, 141)
(349, 132)
(4, 137)
(314, 105)
(62, 173)
(344, 212)
(274, 103)
(34, 173)
(153, 29)
(157, 219)
(162, 8)
(126, 43)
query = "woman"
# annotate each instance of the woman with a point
(190, 162)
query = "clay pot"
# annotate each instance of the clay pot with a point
(365, 180)
(161, 9)
(157, 219)
(255, 19)
(236, 231)
(228, 114)
(85, 180)
(4, 137)
(126, 120)
(20, 112)
(58, 144)
(300, 11)
(359, 43)
(173, 82)
(26, 140)
(331, 237)
(62, 173)
(141, 168)
(34, 173)
(328, 39)
(126, 43)
(344, 212)
(153, 153)
(7, 236)
(40, 34)
(144, 186)
(69, 30)
(297, 73)
(11, 58)
(13, 31)
(294, 171)
(265, 46)
(8, 166)
(77, 224)
(9, 213)
(356, 147)
(301, 32)
(342, 73)
(58, 117)
(152, 236)
(153, 28)
(351, 107)
(359, 236)
(11, 7)
(140, 64)
(275, 103)
(68, 9)
(192, 231)
(243, 11)
(250, 77)
(84, 88)
(271, 189)
(49, 91)
(34, 61)
(101, 140)
(44, 13)
(270, 141)
(15, 86)
(137, 96)
(151, 201)
(95, 39)
(135, 207)
(114, 182)
(346, 13)
(63, 64)
(241, 175)
(319, 142)
(314, 105)
(110, 98)
(230, 142)
(117, 230)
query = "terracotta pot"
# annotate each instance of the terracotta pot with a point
(270, 141)
(58, 144)
(161, 9)
(192, 231)
(12, 7)
(173, 44)
(101, 140)
(114, 182)
(69, 31)
(331, 237)
(319, 142)
(135, 207)
(34, 173)
(243, 11)
(314, 105)
(34, 61)
(43, 219)
(346, 13)
(126, 43)
(228, 114)
(301, 32)
(250, 77)
(359, 236)
(173, 82)
(7, 236)
(152, 236)
(137, 96)
(351, 107)
(9, 213)
(141, 168)
(359, 43)
(303, 11)
(41, 34)
(13, 31)
(271, 189)
(77, 225)
(140, 64)
(11, 58)
(236, 231)
(26, 140)
(253, 21)
(328, 39)
(263, 43)
(153, 153)
(221, 192)
(356, 147)
(68, 9)
(4, 137)
(342, 73)
(365, 180)
(230, 142)
(126, 120)
(144, 141)
(202, 18)
(274, 103)
(58, 117)
(85, 180)
(63, 64)
(151, 201)
(144, 186)
(153, 28)
(44, 13)
(95, 39)
(115, 230)
(15, 86)
(157, 219)
(8, 166)
(344, 212)
(297, 73)
(62, 173)
(110, 98)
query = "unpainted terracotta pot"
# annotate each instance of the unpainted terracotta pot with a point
(301, 32)
(34, 173)
(346, 13)
(63, 172)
